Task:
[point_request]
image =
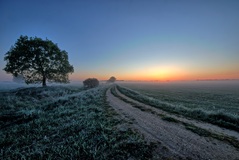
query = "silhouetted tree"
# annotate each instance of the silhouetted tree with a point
(37, 61)
(112, 79)
(91, 83)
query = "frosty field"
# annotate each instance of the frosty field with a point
(64, 122)
(118, 121)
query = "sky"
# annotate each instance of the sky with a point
(131, 39)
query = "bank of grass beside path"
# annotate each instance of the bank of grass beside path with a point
(49, 123)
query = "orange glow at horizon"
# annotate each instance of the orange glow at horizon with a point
(159, 73)
(164, 73)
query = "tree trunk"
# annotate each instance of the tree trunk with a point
(44, 81)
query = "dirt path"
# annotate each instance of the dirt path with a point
(174, 141)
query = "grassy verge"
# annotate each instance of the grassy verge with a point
(42, 126)
(170, 119)
(218, 118)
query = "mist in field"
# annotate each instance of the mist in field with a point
(10, 85)
(230, 86)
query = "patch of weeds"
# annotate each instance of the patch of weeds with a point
(170, 119)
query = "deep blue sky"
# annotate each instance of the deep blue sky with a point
(131, 39)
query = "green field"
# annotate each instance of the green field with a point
(214, 102)
(211, 96)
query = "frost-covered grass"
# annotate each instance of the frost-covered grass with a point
(65, 123)
(218, 117)
(9, 85)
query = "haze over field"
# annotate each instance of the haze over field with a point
(132, 40)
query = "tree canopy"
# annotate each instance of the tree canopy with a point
(112, 79)
(38, 61)
(91, 83)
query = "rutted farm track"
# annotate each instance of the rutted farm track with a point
(176, 137)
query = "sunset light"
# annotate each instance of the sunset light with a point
(138, 40)
(119, 79)
(164, 73)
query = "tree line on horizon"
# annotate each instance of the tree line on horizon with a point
(35, 60)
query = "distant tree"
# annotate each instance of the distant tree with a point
(91, 83)
(38, 61)
(18, 79)
(112, 79)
